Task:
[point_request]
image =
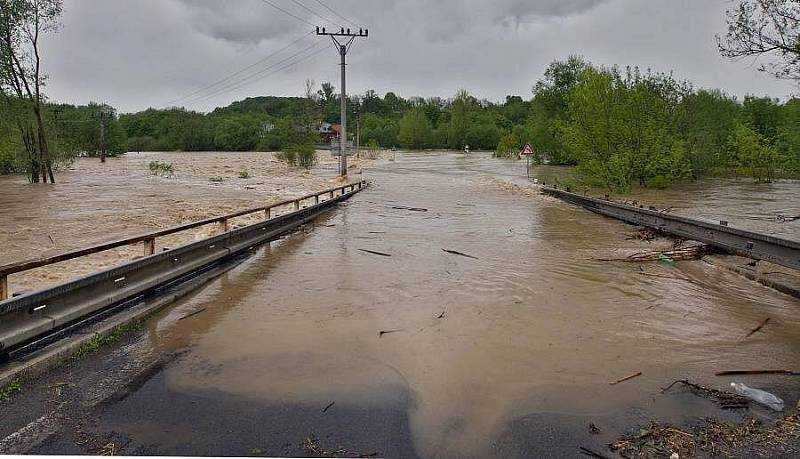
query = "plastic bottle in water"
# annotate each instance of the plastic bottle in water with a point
(760, 396)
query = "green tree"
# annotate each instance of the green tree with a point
(460, 109)
(508, 147)
(706, 121)
(754, 154)
(550, 106)
(23, 23)
(415, 130)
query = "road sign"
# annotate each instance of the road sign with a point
(527, 150)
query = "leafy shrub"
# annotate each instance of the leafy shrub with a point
(508, 146)
(303, 155)
(161, 168)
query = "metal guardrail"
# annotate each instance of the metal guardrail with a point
(757, 246)
(30, 315)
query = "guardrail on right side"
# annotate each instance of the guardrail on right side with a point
(749, 244)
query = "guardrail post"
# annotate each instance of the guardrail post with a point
(4, 292)
(297, 205)
(267, 213)
(331, 194)
(316, 199)
(149, 247)
(223, 225)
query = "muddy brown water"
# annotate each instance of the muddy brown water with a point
(95, 202)
(498, 353)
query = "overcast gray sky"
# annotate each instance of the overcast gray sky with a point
(143, 53)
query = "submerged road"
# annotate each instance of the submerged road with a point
(445, 312)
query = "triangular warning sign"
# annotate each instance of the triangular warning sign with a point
(527, 150)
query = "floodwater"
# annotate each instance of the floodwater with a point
(505, 352)
(94, 203)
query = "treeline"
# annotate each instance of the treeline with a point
(272, 123)
(620, 127)
(623, 128)
(70, 131)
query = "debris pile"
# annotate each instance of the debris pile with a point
(714, 437)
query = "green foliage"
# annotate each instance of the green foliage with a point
(244, 174)
(788, 141)
(161, 168)
(415, 130)
(100, 341)
(482, 134)
(706, 121)
(8, 391)
(622, 129)
(754, 153)
(508, 147)
(302, 155)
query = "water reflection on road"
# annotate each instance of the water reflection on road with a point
(530, 325)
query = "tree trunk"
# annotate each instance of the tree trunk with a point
(43, 151)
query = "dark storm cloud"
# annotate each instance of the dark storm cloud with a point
(135, 54)
(246, 22)
(517, 11)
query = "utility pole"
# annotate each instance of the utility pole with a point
(358, 134)
(343, 47)
(102, 136)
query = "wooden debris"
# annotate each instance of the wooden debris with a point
(590, 453)
(726, 400)
(192, 314)
(758, 372)
(376, 253)
(456, 252)
(441, 316)
(693, 252)
(626, 378)
(712, 438)
(757, 329)
(328, 407)
(410, 209)
(386, 332)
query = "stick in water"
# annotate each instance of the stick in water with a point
(376, 253)
(635, 375)
(455, 252)
(757, 329)
(758, 372)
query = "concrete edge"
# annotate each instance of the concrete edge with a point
(61, 351)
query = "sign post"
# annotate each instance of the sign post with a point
(527, 152)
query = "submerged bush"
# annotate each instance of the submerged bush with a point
(161, 168)
(303, 155)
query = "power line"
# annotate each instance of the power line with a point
(261, 75)
(250, 78)
(239, 72)
(290, 64)
(297, 2)
(337, 14)
(268, 2)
